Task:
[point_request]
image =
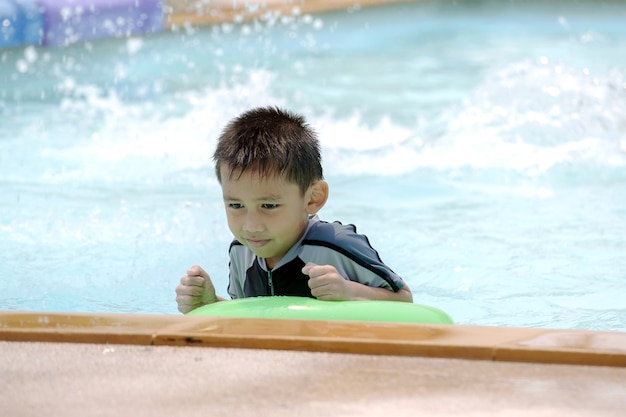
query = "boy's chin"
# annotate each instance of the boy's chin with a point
(265, 254)
(259, 252)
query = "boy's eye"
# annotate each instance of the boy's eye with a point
(270, 206)
(235, 205)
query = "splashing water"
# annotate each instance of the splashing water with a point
(481, 148)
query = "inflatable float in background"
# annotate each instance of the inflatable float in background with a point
(302, 308)
(64, 22)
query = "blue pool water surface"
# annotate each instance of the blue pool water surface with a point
(481, 147)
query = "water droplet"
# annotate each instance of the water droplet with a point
(21, 65)
(30, 54)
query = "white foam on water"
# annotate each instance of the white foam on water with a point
(527, 118)
(146, 142)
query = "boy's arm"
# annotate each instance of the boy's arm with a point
(327, 284)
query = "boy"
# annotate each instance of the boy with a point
(268, 164)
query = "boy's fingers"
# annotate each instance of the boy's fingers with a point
(307, 268)
(186, 304)
(189, 290)
(314, 270)
(192, 280)
(187, 300)
(197, 271)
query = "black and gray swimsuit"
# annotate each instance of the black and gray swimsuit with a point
(323, 243)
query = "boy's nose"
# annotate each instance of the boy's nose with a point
(252, 223)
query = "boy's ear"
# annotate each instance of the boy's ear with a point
(319, 195)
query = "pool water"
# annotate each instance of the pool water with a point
(480, 146)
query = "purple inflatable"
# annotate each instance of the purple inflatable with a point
(69, 21)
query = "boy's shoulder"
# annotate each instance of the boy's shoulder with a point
(323, 230)
(351, 253)
(335, 234)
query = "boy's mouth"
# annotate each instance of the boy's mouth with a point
(257, 242)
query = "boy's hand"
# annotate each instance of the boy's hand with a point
(195, 290)
(326, 283)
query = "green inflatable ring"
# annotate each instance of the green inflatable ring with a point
(303, 308)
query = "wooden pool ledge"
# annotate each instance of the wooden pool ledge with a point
(198, 12)
(575, 347)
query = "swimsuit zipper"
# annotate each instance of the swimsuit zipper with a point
(270, 282)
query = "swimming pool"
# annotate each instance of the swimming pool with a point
(480, 146)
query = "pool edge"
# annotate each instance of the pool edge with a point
(198, 13)
(509, 344)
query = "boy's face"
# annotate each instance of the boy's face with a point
(266, 214)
